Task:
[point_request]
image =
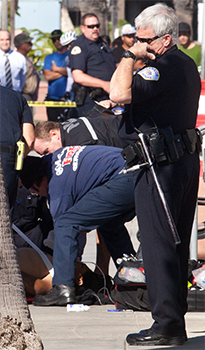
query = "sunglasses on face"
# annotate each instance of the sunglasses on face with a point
(146, 40)
(92, 26)
(130, 36)
(55, 39)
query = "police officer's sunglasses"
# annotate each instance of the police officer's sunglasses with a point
(149, 40)
(92, 26)
(146, 40)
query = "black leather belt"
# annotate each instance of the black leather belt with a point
(8, 149)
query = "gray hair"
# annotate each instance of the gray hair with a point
(161, 18)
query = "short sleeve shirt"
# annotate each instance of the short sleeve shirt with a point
(164, 93)
(56, 88)
(14, 111)
(93, 58)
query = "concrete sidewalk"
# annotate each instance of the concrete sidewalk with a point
(100, 329)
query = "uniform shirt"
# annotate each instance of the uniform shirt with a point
(91, 131)
(57, 87)
(18, 69)
(73, 171)
(93, 58)
(162, 95)
(14, 111)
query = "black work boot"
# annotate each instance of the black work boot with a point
(59, 295)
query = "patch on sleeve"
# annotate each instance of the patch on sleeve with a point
(76, 50)
(149, 73)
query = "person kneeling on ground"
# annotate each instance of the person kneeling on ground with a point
(85, 190)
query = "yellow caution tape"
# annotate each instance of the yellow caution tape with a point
(51, 104)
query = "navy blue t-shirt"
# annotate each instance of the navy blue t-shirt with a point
(73, 171)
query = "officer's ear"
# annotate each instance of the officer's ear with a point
(55, 133)
(167, 40)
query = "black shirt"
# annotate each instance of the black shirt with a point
(91, 131)
(14, 111)
(165, 92)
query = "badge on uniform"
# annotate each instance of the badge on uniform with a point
(76, 50)
(149, 73)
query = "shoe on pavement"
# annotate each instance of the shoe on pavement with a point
(59, 295)
(150, 337)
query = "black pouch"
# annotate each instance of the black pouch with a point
(171, 147)
(190, 140)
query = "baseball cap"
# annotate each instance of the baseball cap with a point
(21, 39)
(34, 168)
(128, 29)
(56, 33)
(184, 27)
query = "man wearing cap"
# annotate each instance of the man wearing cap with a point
(12, 64)
(23, 44)
(92, 64)
(128, 39)
(55, 72)
(187, 46)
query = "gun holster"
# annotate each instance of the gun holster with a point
(134, 154)
(81, 95)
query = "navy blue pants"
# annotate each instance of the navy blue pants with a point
(106, 207)
(166, 263)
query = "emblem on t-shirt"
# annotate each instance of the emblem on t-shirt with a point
(149, 73)
(67, 156)
(75, 50)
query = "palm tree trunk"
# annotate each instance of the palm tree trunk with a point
(16, 326)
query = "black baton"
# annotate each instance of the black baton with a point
(161, 193)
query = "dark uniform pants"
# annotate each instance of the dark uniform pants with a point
(108, 206)
(165, 262)
(10, 176)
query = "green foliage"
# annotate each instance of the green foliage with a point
(121, 23)
(42, 46)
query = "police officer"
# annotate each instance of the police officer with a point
(92, 64)
(16, 121)
(162, 95)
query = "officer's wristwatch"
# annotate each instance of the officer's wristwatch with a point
(128, 54)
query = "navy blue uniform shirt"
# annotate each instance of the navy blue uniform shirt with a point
(14, 111)
(75, 170)
(93, 58)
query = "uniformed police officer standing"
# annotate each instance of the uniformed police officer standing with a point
(165, 95)
(92, 64)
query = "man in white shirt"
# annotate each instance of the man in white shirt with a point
(16, 68)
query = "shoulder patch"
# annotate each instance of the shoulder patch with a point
(149, 73)
(75, 50)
